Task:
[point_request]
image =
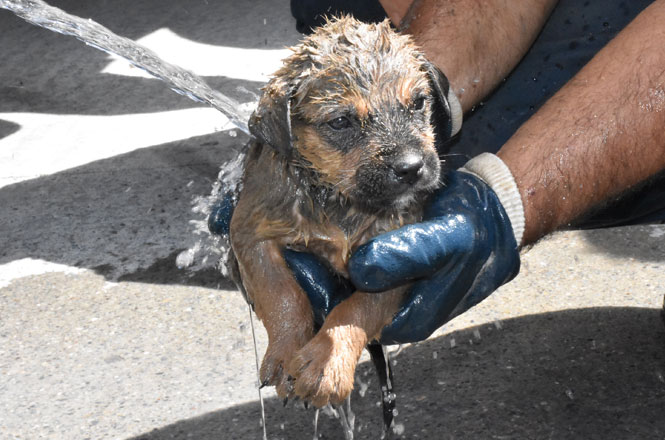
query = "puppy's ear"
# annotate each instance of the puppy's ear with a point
(271, 121)
(446, 110)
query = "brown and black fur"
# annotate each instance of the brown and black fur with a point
(344, 150)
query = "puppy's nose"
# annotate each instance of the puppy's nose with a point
(408, 168)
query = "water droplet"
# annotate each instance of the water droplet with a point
(185, 258)
(363, 386)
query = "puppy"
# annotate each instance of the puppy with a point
(344, 150)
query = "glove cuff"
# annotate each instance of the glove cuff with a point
(456, 113)
(497, 175)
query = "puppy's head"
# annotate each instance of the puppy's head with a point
(355, 104)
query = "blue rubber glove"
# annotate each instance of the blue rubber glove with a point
(461, 252)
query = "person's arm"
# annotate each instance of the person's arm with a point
(601, 134)
(476, 43)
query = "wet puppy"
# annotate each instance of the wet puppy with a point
(344, 150)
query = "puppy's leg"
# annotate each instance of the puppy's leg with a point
(281, 305)
(324, 368)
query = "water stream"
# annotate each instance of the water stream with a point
(95, 35)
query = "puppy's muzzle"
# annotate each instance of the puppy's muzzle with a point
(407, 169)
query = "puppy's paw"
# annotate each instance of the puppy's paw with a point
(273, 373)
(324, 370)
(275, 361)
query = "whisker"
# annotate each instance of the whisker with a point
(455, 154)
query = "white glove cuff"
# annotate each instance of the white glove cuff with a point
(456, 113)
(497, 175)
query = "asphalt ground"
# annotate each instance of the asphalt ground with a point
(103, 337)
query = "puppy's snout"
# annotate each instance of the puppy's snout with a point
(408, 168)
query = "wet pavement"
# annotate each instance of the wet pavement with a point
(103, 337)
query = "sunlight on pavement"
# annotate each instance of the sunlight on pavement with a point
(204, 59)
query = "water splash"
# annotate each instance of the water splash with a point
(211, 249)
(316, 424)
(346, 417)
(95, 35)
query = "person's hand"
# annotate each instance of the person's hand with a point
(462, 251)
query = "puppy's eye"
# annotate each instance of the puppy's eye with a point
(418, 103)
(339, 123)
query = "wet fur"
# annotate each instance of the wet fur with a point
(307, 186)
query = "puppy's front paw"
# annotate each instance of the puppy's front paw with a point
(275, 361)
(324, 370)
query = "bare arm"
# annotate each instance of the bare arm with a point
(476, 43)
(601, 134)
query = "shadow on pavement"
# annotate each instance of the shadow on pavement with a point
(163, 271)
(587, 373)
(7, 128)
(127, 216)
(643, 243)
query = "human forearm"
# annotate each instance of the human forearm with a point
(599, 135)
(475, 43)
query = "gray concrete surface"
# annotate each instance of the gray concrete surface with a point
(102, 337)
